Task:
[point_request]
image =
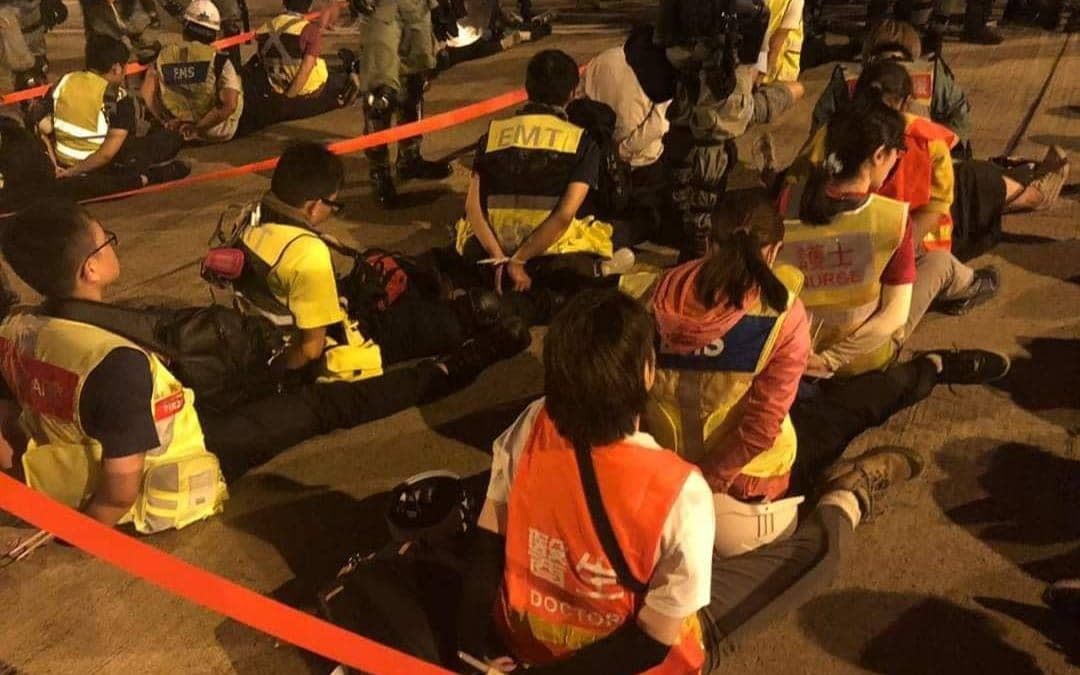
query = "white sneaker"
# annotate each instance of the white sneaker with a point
(620, 262)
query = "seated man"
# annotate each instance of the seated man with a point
(343, 329)
(113, 432)
(90, 123)
(527, 210)
(637, 82)
(288, 78)
(193, 88)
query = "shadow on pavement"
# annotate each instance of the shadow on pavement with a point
(478, 429)
(1018, 499)
(1044, 383)
(911, 634)
(1063, 634)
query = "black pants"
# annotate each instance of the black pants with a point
(263, 107)
(416, 325)
(138, 154)
(258, 431)
(829, 415)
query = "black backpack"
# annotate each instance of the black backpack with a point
(217, 352)
(612, 196)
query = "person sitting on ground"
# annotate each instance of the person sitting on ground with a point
(731, 327)
(782, 47)
(116, 434)
(289, 275)
(192, 88)
(637, 82)
(527, 212)
(935, 91)
(288, 79)
(543, 564)
(90, 123)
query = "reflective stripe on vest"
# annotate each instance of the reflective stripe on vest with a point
(79, 124)
(786, 68)
(348, 354)
(922, 84)
(559, 591)
(45, 362)
(698, 399)
(188, 80)
(527, 167)
(842, 264)
(279, 49)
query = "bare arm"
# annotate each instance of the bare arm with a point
(228, 100)
(102, 157)
(307, 349)
(117, 489)
(297, 85)
(776, 46)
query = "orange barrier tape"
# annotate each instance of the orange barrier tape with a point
(393, 135)
(133, 68)
(205, 589)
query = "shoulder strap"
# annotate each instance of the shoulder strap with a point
(219, 64)
(601, 523)
(137, 325)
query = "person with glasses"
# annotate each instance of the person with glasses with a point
(347, 326)
(101, 424)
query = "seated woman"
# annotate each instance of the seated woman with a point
(733, 344)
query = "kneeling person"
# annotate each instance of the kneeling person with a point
(192, 88)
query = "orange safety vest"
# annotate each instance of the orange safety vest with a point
(559, 591)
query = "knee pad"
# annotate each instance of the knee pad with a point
(379, 105)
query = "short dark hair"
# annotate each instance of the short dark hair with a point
(595, 355)
(551, 77)
(298, 5)
(46, 245)
(305, 172)
(104, 52)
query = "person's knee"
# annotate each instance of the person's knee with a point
(796, 89)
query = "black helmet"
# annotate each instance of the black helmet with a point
(432, 506)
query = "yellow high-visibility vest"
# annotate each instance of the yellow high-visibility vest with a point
(78, 119)
(279, 49)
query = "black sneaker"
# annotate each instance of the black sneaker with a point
(969, 366)
(382, 187)
(165, 173)
(507, 339)
(872, 472)
(416, 167)
(985, 285)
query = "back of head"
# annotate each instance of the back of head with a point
(595, 355)
(46, 244)
(305, 172)
(891, 35)
(300, 6)
(747, 222)
(551, 78)
(202, 21)
(104, 52)
(852, 137)
(883, 81)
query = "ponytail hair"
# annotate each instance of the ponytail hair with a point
(747, 222)
(883, 81)
(852, 137)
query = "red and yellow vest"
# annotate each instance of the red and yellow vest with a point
(559, 591)
(842, 264)
(45, 362)
(279, 49)
(698, 399)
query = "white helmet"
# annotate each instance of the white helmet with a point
(203, 13)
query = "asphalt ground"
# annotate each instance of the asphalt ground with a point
(946, 580)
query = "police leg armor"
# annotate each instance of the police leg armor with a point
(976, 16)
(409, 162)
(379, 108)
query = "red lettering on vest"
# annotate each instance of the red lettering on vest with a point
(170, 405)
(922, 85)
(40, 387)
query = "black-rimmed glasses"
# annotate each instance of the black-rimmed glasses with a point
(335, 206)
(110, 240)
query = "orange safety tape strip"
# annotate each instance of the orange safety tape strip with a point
(204, 588)
(133, 68)
(393, 135)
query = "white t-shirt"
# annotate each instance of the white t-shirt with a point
(224, 131)
(682, 579)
